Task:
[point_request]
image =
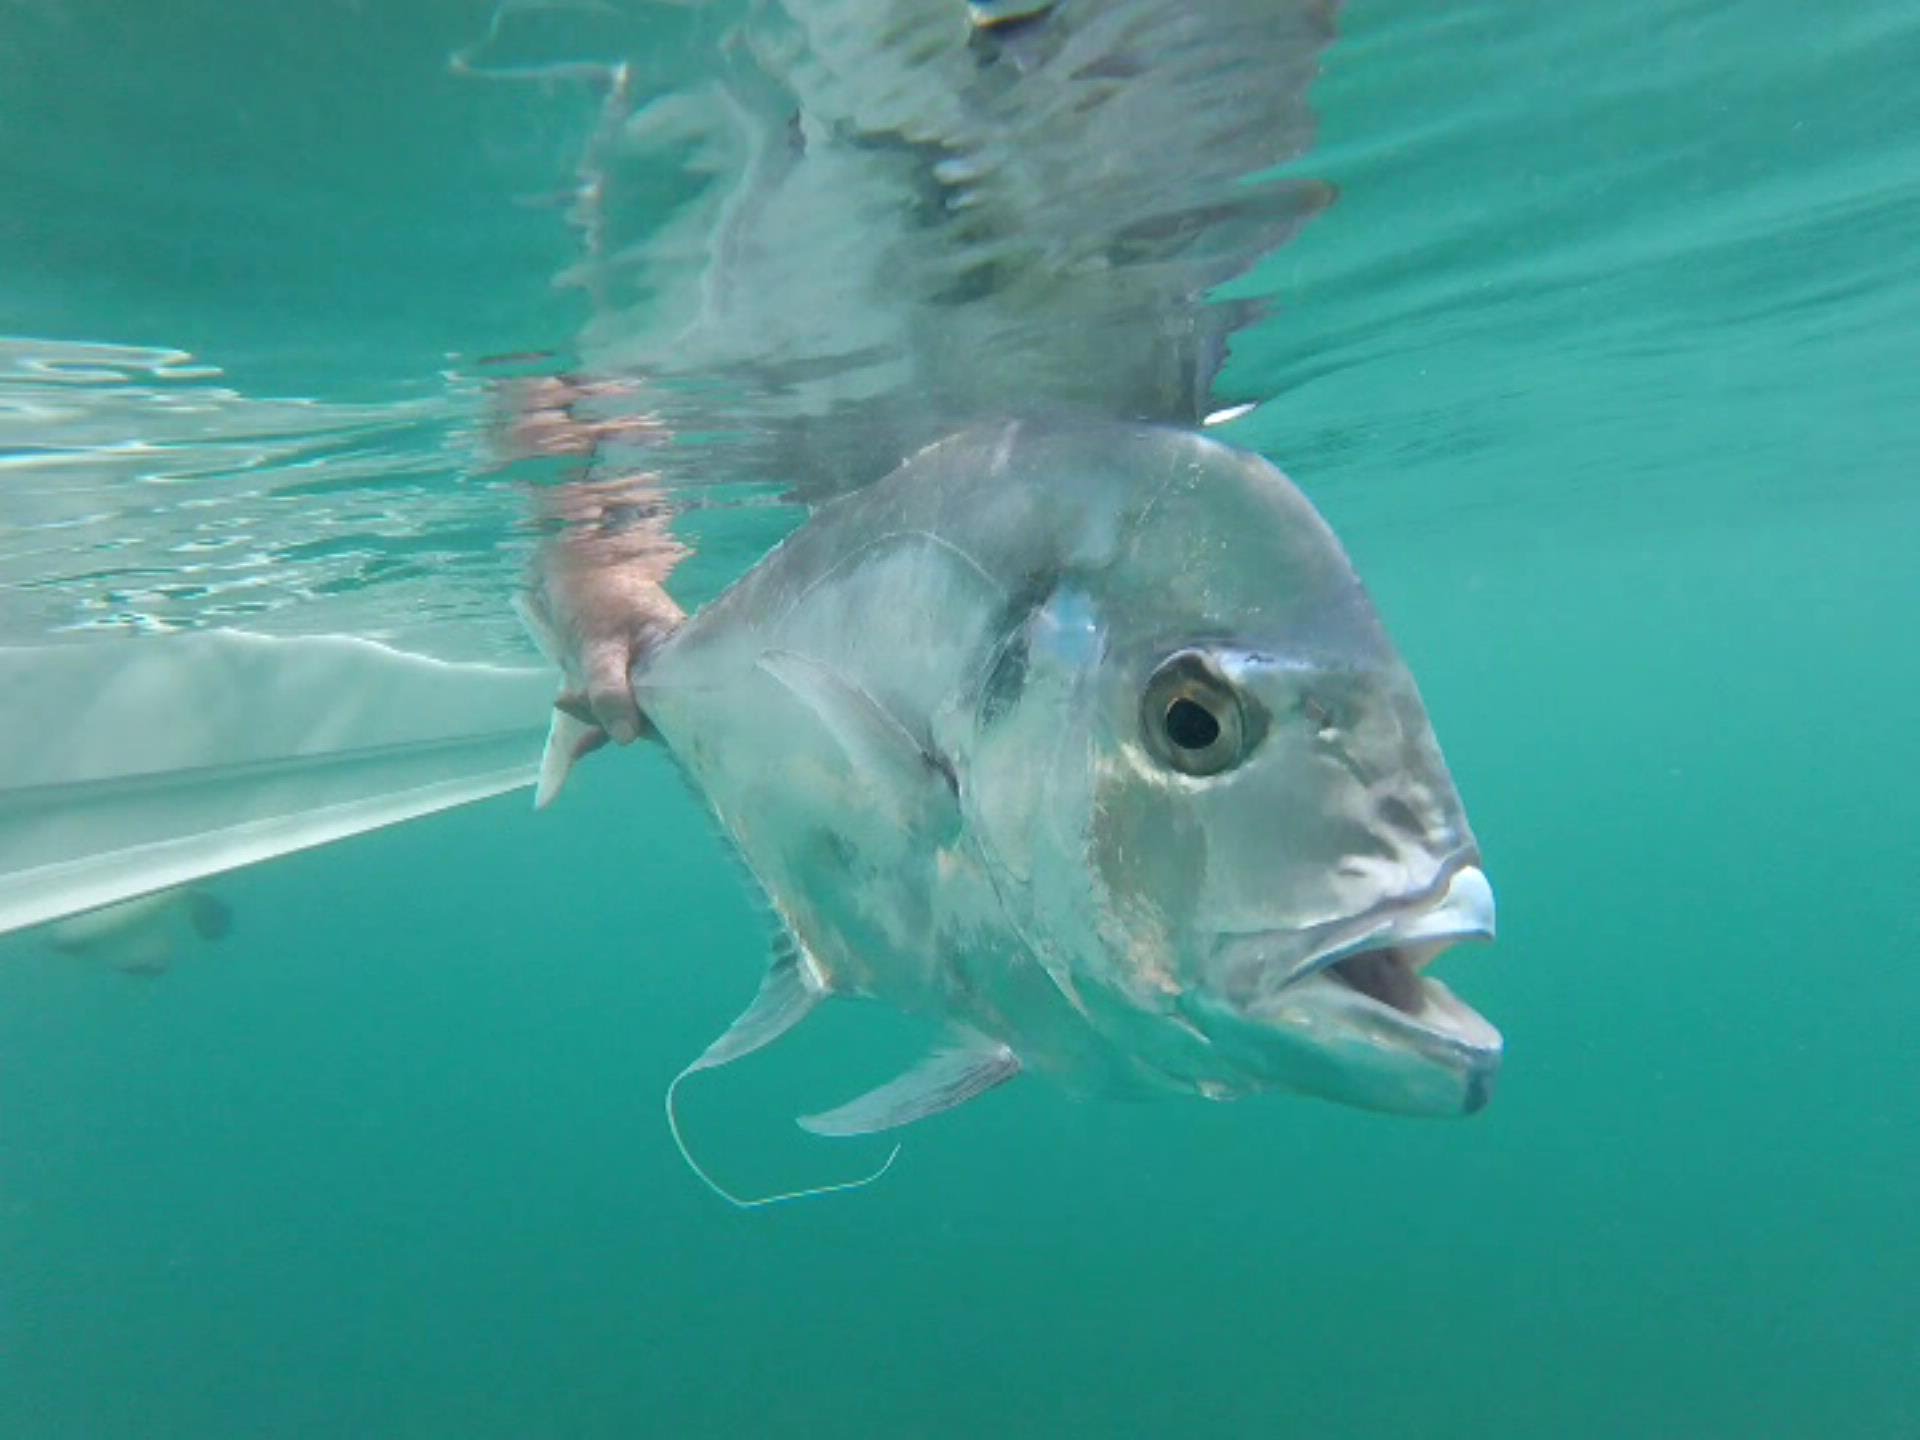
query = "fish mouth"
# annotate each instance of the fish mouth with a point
(1385, 970)
(1362, 1020)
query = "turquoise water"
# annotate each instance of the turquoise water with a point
(1604, 368)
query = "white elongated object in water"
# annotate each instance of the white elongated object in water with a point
(130, 766)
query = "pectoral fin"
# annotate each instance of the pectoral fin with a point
(874, 741)
(946, 1079)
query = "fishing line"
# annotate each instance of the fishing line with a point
(758, 1202)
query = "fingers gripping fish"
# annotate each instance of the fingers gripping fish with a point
(1085, 741)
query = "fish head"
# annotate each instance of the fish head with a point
(1218, 798)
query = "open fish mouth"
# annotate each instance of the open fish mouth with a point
(1358, 1018)
(1386, 969)
(1389, 980)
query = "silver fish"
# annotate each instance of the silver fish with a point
(1085, 740)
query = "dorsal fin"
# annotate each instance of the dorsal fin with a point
(945, 1080)
(792, 987)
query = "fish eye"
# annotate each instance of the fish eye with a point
(1190, 725)
(1192, 717)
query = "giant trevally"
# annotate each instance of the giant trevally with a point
(1085, 741)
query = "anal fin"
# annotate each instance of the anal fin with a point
(946, 1079)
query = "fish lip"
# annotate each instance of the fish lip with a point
(1458, 906)
(1378, 925)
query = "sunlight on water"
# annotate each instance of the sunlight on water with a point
(144, 495)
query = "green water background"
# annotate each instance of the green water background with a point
(1605, 368)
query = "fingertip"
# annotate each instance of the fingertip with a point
(618, 716)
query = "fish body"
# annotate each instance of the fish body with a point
(1085, 740)
(143, 936)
